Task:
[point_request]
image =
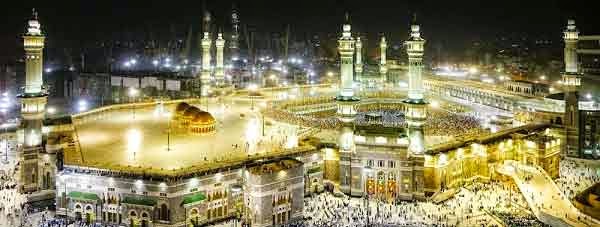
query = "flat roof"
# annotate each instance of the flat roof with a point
(121, 140)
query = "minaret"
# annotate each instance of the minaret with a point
(219, 72)
(358, 66)
(383, 59)
(346, 106)
(346, 48)
(205, 74)
(571, 83)
(416, 113)
(235, 33)
(33, 107)
(416, 104)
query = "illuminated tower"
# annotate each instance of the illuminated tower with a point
(346, 48)
(358, 66)
(219, 72)
(346, 106)
(416, 104)
(416, 112)
(383, 59)
(235, 33)
(571, 82)
(205, 74)
(33, 107)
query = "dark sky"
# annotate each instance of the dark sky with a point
(449, 21)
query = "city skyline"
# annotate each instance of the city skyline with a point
(255, 127)
(74, 24)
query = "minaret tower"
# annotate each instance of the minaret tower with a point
(571, 83)
(219, 72)
(416, 104)
(416, 110)
(346, 48)
(235, 33)
(33, 107)
(346, 105)
(205, 74)
(358, 66)
(383, 59)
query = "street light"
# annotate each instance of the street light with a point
(252, 88)
(51, 110)
(82, 105)
(168, 116)
(132, 94)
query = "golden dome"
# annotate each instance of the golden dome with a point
(182, 106)
(203, 117)
(191, 112)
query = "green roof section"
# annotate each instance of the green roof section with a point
(314, 170)
(83, 195)
(196, 197)
(144, 201)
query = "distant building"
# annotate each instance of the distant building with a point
(527, 87)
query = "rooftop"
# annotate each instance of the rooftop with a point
(137, 139)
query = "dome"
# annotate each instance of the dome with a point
(191, 112)
(182, 106)
(203, 117)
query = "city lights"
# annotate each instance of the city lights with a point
(222, 119)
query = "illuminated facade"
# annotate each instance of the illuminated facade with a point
(275, 193)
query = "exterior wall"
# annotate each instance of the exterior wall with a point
(111, 205)
(276, 197)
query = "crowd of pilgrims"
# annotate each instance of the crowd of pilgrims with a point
(575, 177)
(12, 203)
(438, 123)
(475, 199)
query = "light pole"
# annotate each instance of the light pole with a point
(5, 161)
(251, 89)
(132, 94)
(168, 115)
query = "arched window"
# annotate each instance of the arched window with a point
(164, 212)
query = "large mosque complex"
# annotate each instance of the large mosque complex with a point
(254, 156)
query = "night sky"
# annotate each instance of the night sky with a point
(68, 22)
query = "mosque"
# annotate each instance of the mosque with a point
(177, 163)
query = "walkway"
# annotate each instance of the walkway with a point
(543, 196)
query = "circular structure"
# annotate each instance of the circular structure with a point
(194, 120)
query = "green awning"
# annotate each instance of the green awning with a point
(144, 201)
(83, 195)
(196, 197)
